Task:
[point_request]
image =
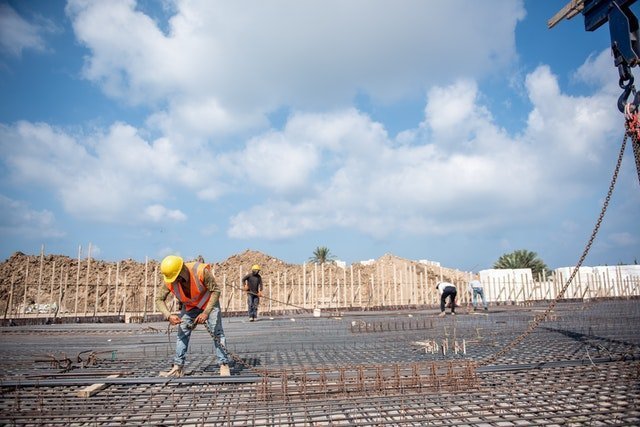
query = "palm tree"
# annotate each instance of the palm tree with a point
(322, 255)
(522, 258)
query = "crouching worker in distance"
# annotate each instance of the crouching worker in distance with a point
(447, 290)
(194, 286)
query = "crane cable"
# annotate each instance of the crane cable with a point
(632, 126)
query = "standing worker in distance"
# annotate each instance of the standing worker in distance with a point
(447, 290)
(476, 290)
(252, 283)
(194, 286)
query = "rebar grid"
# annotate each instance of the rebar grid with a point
(540, 397)
(580, 367)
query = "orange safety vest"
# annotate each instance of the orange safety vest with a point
(199, 293)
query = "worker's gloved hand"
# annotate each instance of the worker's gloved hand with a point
(174, 319)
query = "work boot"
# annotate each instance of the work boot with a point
(453, 313)
(225, 371)
(176, 372)
(442, 314)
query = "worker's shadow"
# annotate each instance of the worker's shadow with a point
(237, 367)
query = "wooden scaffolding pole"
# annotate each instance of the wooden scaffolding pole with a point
(53, 273)
(395, 285)
(124, 303)
(108, 290)
(351, 296)
(96, 302)
(359, 288)
(75, 307)
(146, 283)
(155, 288)
(116, 299)
(39, 281)
(10, 303)
(63, 290)
(86, 282)
(304, 285)
(344, 288)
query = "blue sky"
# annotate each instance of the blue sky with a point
(453, 131)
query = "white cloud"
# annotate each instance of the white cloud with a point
(200, 119)
(244, 59)
(448, 108)
(598, 71)
(158, 213)
(37, 153)
(278, 164)
(219, 68)
(569, 128)
(455, 118)
(278, 220)
(340, 131)
(457, 170)
(110, 177)
(131, 57)
(18, 219)
(17, 35)
(486, 179)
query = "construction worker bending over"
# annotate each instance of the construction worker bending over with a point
(447, 290)
(252, 283)
(476, 290)
(194, 286)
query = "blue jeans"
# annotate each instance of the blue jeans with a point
(474, 299)
(213, 325)
(252, 305)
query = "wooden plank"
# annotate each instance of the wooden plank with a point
(569, 10)
(94, 388)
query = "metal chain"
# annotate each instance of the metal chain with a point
(635, 143)
(631, 111)
(534, 324)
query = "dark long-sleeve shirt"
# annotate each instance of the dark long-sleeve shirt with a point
(254, 281)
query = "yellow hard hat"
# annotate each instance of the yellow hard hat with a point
(170, 267)
(255, 267)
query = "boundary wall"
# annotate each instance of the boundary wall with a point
(317, 287)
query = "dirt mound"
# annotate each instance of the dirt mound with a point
(240, 264)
